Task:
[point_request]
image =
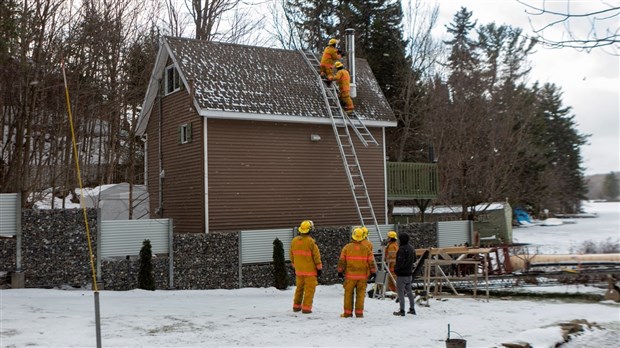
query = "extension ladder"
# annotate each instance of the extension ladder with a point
(340, 124)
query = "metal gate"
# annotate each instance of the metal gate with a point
(451, 233)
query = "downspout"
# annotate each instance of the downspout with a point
(350, 48)
(160, 208)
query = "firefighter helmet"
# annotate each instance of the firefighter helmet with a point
(392, 234)
(358, 234)
(305, 226)
(333, 42)
(339, 65)
(365, 231)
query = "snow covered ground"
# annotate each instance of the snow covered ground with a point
(569, 238)
(263, 317)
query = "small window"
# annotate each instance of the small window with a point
(173, 81)
(185, 133)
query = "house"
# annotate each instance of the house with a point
(240, 138)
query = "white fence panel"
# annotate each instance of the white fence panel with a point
(257, 246)
(125, 237)
(451, 233)
(9, 211)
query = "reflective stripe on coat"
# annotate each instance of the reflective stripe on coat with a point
(305, 256)
(330, 56)
(344, 80)
(390, 254)
(356, 261)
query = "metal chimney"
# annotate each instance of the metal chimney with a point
(350, 49)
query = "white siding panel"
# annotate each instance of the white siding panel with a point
(257, 245)
(125, 237)
(451, 233)
(8, 214)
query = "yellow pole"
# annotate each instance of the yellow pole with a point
(79, 177)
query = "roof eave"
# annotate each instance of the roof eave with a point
(153, 88)
(234, 115)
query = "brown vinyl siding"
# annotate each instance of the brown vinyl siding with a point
(269, 175)
(183, 198)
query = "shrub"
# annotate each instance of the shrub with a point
(607, 246)
(146, 280)
(281, 279)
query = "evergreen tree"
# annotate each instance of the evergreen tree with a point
(378, 38)
(561, 141)
(610, 187)
(146, 280)
(463, 60)
(313, 21)
(281, 278)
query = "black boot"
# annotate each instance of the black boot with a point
(400, 313)
(411, 311)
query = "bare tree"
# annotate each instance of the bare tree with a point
(596, 27)
(282, 29)
(207, 16)
(423, 51)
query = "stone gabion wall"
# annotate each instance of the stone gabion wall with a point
(423, 235)
(55, 253)
(122, 274)
(7, 254)
(55, 248)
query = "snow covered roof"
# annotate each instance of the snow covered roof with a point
(232, 81)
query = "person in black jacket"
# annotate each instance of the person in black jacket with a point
(405, 257)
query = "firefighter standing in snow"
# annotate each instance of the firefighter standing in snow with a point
(306, 260)
(344, 86)
(355, 264)
(329, 58)
(390, 257)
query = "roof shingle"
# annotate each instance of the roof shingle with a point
(260, 80)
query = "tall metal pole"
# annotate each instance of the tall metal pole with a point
(350, 48)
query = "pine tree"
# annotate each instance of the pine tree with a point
(313, 21)
(562, 141)
(281, 279)
(610, 187)
(146, 280)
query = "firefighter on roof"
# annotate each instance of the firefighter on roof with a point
(355, 264)
(344, 86)
(306, 260)
(330, 56)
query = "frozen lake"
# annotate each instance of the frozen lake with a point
(570, 238)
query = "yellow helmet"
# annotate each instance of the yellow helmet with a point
(358, 234)
(305, 226)
(365, 231)
(392, 234)
(333, 42)
(338, 65)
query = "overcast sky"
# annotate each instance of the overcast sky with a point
(589, 80)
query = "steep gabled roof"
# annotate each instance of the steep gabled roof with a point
(239, 81)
